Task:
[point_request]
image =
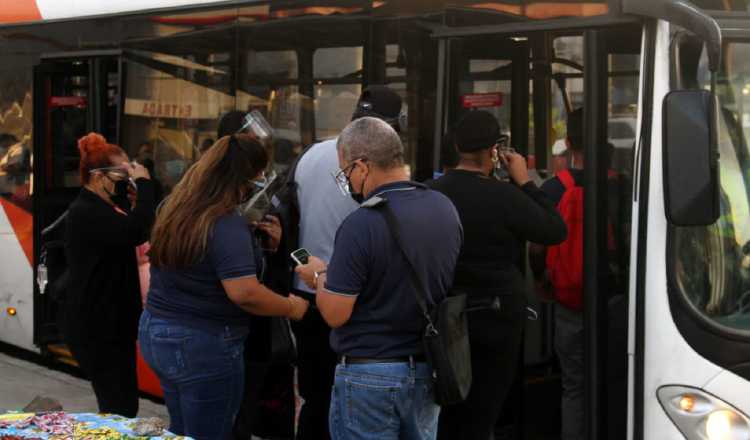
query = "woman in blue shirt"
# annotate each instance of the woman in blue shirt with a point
(205, 271)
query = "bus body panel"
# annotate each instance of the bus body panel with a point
(724, 386)
(16, 281)
(635, 218)
(20, 11)
(669, 360)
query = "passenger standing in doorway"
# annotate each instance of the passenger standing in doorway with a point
(206, 268)
(383, 384)
(498, 218)
(568, 310)
(322, 209)
(103, 301)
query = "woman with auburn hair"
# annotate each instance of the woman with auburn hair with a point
(102, 304)
(205, 271)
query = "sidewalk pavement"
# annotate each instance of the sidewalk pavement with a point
(21, 381)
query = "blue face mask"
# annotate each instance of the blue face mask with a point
(175, 168)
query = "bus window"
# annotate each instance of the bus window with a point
(172, 106)
(337, 73)
(270, 83)
(712, 264)
(483, 75)
(15, 136)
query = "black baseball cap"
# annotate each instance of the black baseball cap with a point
(476, 130)
(380, 102)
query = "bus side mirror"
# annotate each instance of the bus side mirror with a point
(691, 159)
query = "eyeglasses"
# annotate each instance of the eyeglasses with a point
(342, 176)
(119, 171)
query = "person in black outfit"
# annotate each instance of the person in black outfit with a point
(498, 218)
(103, 301)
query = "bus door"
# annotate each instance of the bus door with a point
(74, 94)
(530, 82)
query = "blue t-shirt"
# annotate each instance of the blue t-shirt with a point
(386, 320)
(196, 294)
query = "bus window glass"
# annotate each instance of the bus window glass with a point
(488, 78)
(269, 84)
(172, 108)
(712, 264)
(566, 91)
(15, 133)
(621, 125)
(337, 74)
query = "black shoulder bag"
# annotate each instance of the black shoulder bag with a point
(446, 336)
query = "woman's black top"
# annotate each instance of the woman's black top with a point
(498, 218)
(103, 300)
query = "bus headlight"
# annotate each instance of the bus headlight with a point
(699, 415)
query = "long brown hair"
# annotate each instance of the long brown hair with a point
(211, 188)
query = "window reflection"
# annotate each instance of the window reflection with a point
(15, 135)
(172, 108)
(712, 264)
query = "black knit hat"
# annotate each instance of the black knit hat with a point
(477, 130)
(379, 102)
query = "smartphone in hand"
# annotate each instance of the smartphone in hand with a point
(300, 256)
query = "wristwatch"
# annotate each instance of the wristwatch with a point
(317, 275)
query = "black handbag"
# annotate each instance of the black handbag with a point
(446, 336)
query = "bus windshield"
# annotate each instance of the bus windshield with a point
(712, 264)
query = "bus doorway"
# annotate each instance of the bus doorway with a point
(74, 94)
(530, 81)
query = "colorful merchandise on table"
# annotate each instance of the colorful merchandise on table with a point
(63, 426)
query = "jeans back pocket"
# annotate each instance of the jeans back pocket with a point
(370, 405)
(170, 353)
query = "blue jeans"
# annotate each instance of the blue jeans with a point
(388, 401)
(201, 373)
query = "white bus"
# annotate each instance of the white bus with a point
(667, 216)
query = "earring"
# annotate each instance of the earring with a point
(494, 156)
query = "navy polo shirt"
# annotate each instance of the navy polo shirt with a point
(367, 263)
(195, 295)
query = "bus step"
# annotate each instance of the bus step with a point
(61, 353)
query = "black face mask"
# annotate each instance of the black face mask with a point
(120, 195)
(359, 198)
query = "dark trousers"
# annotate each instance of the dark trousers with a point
(569, 348)
(257, 367)
(111, 368)
(316, 367)
(495, 338)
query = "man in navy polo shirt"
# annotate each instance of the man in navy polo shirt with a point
(383, 386)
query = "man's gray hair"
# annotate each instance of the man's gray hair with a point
(372, 139)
